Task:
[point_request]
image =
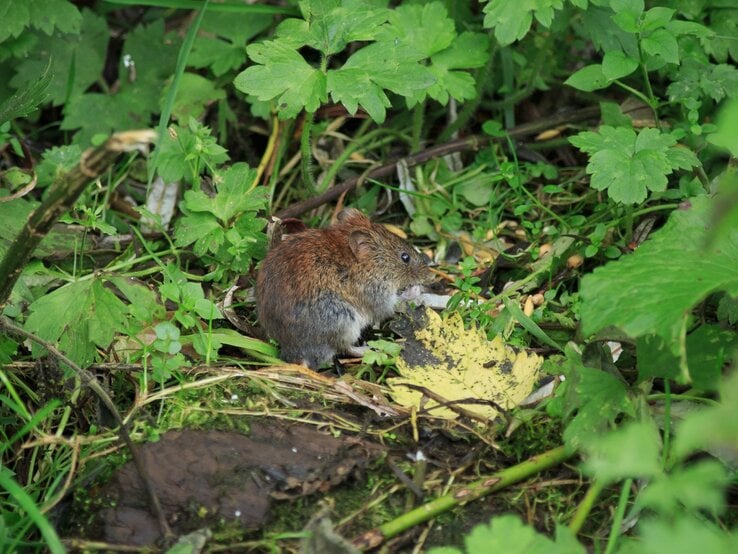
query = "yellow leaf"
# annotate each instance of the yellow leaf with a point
(444, 364)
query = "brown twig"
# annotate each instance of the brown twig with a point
(474, 142)
(91, 382)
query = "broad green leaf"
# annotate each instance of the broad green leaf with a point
(234, 195)
(79, 316)
(78, 58)
(512, 20)
(631, 451)
(284, 75)
(663, 44)
(697, 487)
(225, 48)
(57, 161)
(96, 113)
(723, 45)
(592, 398)
(361, 80)
(469, 50)
(506, 533)
(153, 53)
(722, 422)
(425, 28)
(194, 94)
(202, 229)
(629, 165)
(653, 290)
(725, 137)
(634, 8)
(656, 18)
(45, 15)
(616, 64)
(330, 26)
(680, 535)
(588, 78)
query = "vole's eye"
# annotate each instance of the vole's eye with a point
(405, 257)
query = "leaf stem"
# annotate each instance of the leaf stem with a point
(617, 520)
(667, 424)
(306, 151)
(585, 507)
(417, 132)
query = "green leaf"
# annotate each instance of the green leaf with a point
(653, 290)
(631, 451)
(55, 162)
(616, 65)
(27, 99)
(225, 49)
(727, 122)
(629, 165)
(199, 228)
(512, 20)
(194, 94)
(425, 28)
(683, 535)
(330, 26)
(45, 15)
(234, 196)
(720, 420)
(663, 44)
(186, 151)
(282, 74)
(467, 51)
(361, 80)
(506, 533)
(591, 398)
(697, 487)
(656, 18)
(86, 315)
(77, 60)
(588, 78)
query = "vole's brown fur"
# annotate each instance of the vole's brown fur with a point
(318, 289)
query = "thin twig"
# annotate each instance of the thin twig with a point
(474, 142)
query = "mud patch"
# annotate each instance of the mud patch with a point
(203, 477)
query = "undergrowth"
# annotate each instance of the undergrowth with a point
(570, 165)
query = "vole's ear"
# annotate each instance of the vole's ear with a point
(361, 244)
(352, 216)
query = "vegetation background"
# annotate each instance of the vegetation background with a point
(569, 164)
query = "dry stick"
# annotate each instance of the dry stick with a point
(474, 142)
(462, 495)
(60, 199)
(91, 382)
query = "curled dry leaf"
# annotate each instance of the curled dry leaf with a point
(448, 370)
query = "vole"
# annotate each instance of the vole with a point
(318, 289)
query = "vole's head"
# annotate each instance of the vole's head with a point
(382, 254)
